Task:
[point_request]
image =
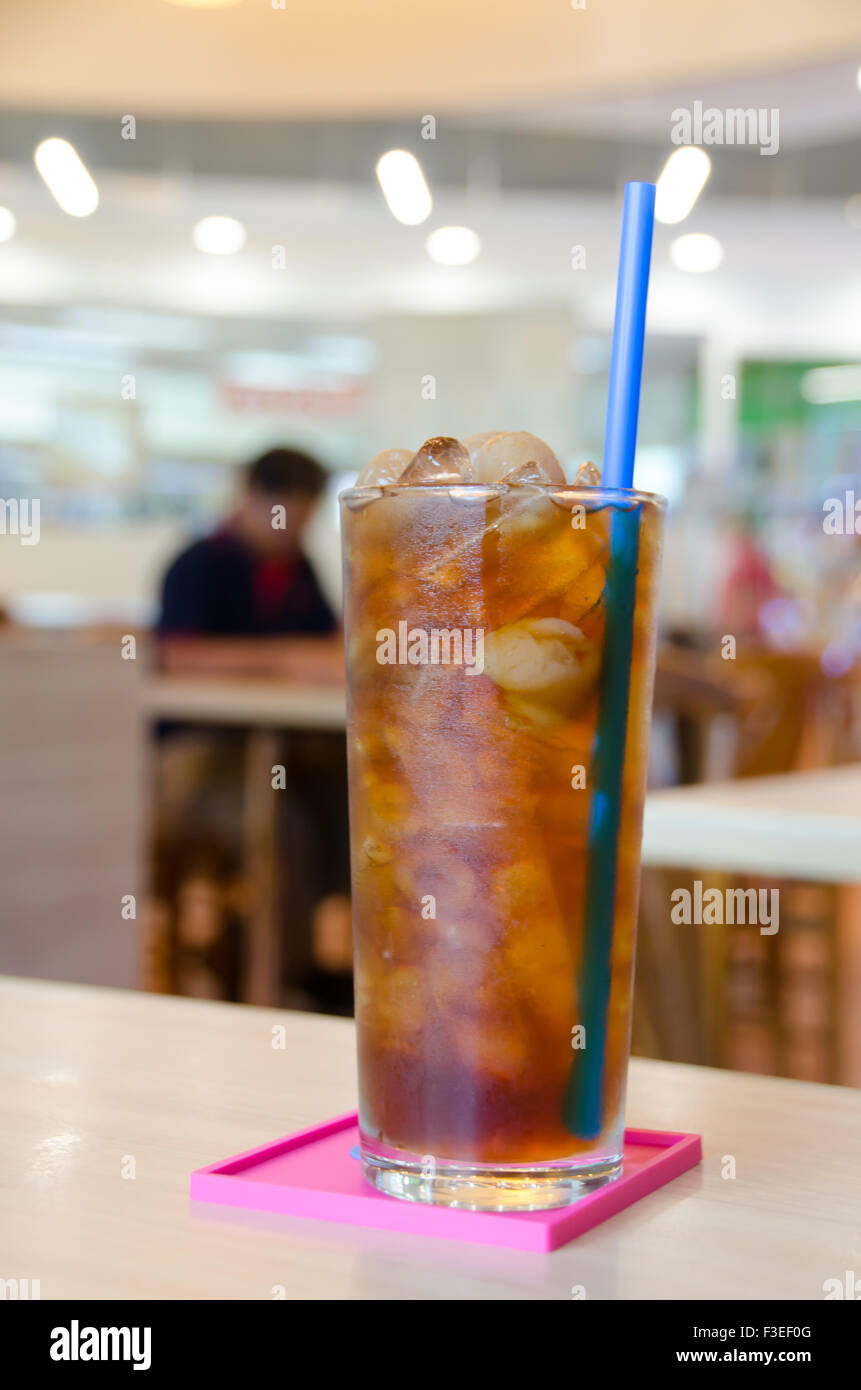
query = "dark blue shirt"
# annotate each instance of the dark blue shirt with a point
(218, 587)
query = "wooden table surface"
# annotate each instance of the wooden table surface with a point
(250, 701)
(93, 1078)
(799, 825)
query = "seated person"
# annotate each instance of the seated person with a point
(231, 601)
(245, 601)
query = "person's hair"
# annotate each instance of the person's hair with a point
(286, 473)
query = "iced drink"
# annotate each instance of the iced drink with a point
(477, 625)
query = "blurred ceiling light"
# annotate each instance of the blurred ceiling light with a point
(830, 385)
(453, 245)
(696, 252)
(67, 177)
(219, 236)
(681, 182)
(404, 187)
(7, 224)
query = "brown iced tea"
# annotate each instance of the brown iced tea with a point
(475, 627)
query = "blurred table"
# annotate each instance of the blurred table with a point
(799, 825)
(803, 825)
(253, 703)
(265, 707)
(90, 1076)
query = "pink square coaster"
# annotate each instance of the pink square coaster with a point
(312, 1173)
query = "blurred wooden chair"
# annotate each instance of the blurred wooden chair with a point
(199, 889)
(776, 712)
(790, 714)
(248, 881)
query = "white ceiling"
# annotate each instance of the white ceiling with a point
(791, 278)
(330, 57)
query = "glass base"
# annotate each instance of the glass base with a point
(485, 1186)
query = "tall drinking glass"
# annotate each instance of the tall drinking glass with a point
(500, 658)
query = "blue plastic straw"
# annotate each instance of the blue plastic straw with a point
(629, 328)
(583, 1105)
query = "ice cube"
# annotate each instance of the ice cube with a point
(384, 468)
(440, 460)
(546, 666)
(588, 475)
(533, 654)
(505, 454)
(473, 442)
(538, 956)
(524, 475)
(519, 512)
(496, 1049)
(390, 1001)
(526, 511)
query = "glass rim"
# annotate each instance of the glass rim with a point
(579, 490)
